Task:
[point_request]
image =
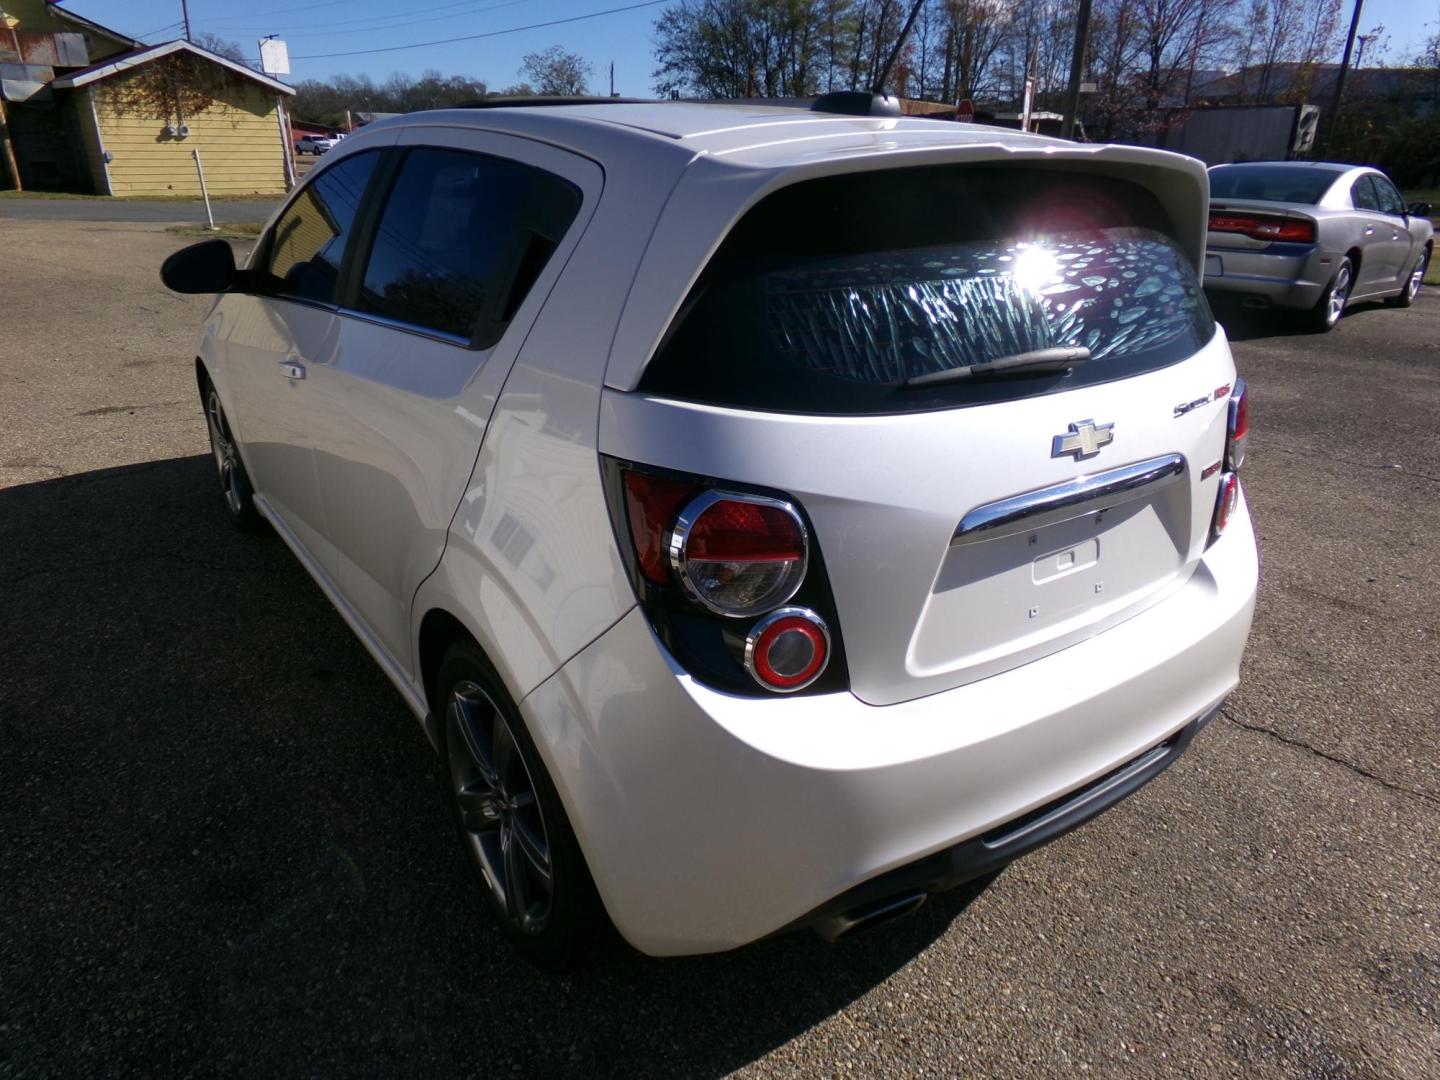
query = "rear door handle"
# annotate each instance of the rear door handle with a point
(292, 368)
(1369, 230)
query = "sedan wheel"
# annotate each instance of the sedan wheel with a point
(1332, 303)
(1414, 283)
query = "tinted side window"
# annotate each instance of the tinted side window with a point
(309, 239)
(1363, 195)
(461, 240)
(1390, 201)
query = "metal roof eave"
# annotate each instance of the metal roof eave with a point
(133, 60)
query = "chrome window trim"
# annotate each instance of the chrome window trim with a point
(407, 327)
(1069, 500)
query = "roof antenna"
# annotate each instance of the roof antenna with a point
(879, 87)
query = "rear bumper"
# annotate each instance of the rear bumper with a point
(904, 888)
(710, 821)
(1295, 277)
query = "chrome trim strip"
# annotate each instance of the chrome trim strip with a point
(1069, 500)
(409, 328)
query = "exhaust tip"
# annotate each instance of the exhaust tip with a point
(868, 916)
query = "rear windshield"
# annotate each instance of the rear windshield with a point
(830, 294)
(1271, 183)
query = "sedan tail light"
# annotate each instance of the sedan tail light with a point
(1291, 230)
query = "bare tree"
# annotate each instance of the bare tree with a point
(220, 46)
(555, 71)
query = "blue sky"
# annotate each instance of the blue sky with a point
(313, 27)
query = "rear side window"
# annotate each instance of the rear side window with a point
(1363, 194)
(830, 294)
(1390, 201)
(461, 240)
(1271, 183)
(308, 242)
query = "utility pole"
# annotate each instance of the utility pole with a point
(612, 78)
(1340, 75)
(185, 11)
(7, 149)
(1071, 111)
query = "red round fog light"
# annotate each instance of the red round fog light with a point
(788, 649)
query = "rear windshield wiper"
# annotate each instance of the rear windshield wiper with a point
(1062, 358)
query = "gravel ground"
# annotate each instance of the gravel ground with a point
(223, 847)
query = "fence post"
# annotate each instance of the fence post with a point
(204, 194)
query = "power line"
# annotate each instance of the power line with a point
(490, 34)
(160, 30)
(277, 11)
(333, 29)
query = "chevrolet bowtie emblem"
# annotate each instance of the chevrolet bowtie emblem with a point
(1084, 440)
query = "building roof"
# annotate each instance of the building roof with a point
(93, 26)
(117, 65)
(1317, 79)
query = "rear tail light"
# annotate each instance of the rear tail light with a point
(651, 503)
(1263, 226)
(739, 555)
(788, 649)
(1238, 431)
(1225, 505)
(730, 580)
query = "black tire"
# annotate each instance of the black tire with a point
(237, 493)
(1414, 281)
(509, 814)
(1326, 313)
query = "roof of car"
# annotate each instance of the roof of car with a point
(753, 134)
(1324, 166)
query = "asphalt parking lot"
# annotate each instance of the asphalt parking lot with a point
(224, 849)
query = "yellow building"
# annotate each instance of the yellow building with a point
(151, 110)
(90, 109)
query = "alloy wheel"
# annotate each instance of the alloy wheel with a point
(1339, 293)
(499, 811)
(1417, 277)
(223, 447)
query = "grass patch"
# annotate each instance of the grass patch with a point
(240, 230)
(1432, 275)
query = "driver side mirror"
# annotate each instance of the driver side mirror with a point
(206, 267)
(1418, 209)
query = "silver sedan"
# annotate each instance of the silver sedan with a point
(1313, 236)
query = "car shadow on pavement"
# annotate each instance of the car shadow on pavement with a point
(226, 846)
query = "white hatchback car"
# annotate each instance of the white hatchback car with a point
(774, 517)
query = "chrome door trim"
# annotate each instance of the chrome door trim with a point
(407, 327)
(1071, 499)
